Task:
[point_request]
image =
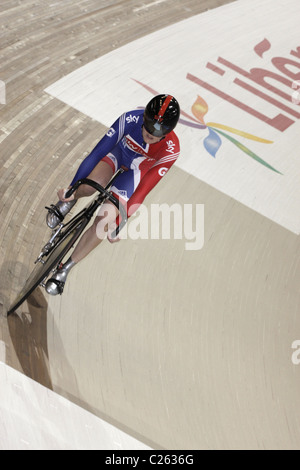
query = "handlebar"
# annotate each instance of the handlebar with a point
(108, 195)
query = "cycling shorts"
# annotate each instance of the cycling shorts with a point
(126, 183)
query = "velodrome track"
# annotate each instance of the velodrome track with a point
(177, 348)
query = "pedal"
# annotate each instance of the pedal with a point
(55, 211)
(56, 289)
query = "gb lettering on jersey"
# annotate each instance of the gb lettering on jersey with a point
(111, 132)
(162, 171)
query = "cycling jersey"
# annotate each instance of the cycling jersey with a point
(123, 145)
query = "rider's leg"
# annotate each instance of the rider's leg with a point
(55, 285)
(90, 240)
(96, 233)
(107, 214)
(102, 173)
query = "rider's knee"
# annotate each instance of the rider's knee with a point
(87, 190)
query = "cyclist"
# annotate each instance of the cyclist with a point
(145, 143)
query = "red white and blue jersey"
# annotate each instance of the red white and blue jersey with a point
(123, 145)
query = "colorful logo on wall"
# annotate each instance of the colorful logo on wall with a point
(213, 141)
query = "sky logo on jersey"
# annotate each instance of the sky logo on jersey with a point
(213, 141)
(171, 146)
(131, 118)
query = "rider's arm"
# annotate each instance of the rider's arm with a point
(152, 177)
(106, 144)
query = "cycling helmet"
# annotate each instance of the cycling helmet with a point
(161, 115)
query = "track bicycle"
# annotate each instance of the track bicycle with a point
(66, 235)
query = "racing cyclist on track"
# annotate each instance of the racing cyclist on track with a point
(142, 141)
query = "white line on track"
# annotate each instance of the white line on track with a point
(149, 5)
(2, 352)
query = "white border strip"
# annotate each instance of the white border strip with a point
(33, 417)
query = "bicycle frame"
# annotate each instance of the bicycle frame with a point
(66, 235)
(87, 212)
(103, 196)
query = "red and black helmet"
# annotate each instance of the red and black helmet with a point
(161, 115)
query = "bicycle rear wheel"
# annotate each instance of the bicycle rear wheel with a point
(51, 261)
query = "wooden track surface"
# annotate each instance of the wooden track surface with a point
(43, 140)
(180, 364)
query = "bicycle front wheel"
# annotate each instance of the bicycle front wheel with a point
(51, 261)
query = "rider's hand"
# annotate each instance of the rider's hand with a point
(61, 194)
(111, 229)
(113, 240)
